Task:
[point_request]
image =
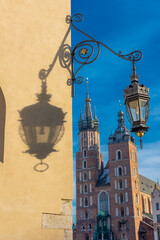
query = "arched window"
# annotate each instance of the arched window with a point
(90, 226)
(83, 227)
(120, 171)
(84, 176)
(84, 153)
(84, 164)
(91, 139)
(84, 139)
(121, 198)
(2, 124)
(120, 184)
(86, 201)
(86, 215)
(103, 201)
(122, 212)
(133, 156)
(118, 155)
(85, 188)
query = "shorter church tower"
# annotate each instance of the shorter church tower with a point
(124, 183)
(89, 165)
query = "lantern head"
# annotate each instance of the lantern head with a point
(137, 104)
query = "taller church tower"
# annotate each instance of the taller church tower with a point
(89, 165)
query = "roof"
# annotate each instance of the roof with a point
(146, 185)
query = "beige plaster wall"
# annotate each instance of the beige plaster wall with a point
(31, 32)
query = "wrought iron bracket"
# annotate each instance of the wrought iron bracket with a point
(83, 53)
(88, 51)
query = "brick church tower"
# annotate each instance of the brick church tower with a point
(113, 192)
(125, 205)
(89, 165)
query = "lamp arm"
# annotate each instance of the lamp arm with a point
(84, 52)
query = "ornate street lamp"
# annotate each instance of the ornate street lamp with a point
(42, 127)
(137, 105)
(136, 95)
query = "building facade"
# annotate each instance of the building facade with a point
(113, 190)
(156, 211)
(37, 191)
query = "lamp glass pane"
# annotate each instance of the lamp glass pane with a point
(143, 107)
(42, 134)
(55, 134)
(134, 108)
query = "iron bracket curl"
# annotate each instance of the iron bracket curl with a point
(84, 53)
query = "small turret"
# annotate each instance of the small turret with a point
(122, 133)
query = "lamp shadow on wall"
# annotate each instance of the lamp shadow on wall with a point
(42, 124)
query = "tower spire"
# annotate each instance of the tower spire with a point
(88, 122)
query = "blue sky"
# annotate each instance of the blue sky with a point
(123, 26)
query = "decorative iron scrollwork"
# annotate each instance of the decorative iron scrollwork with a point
(83, 53)
(88, 51)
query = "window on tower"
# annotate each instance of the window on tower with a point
(103, 201)
(84, 164)
(91, 139)
(83, 228)
(118, 155)
(86, 215)
(85, 188)
(121, 198)
(120, 184)
(86, 201)
(120, 171)
(122, 212)
(84, 153)
(84, 139)
(90, 226)
(84, 176)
